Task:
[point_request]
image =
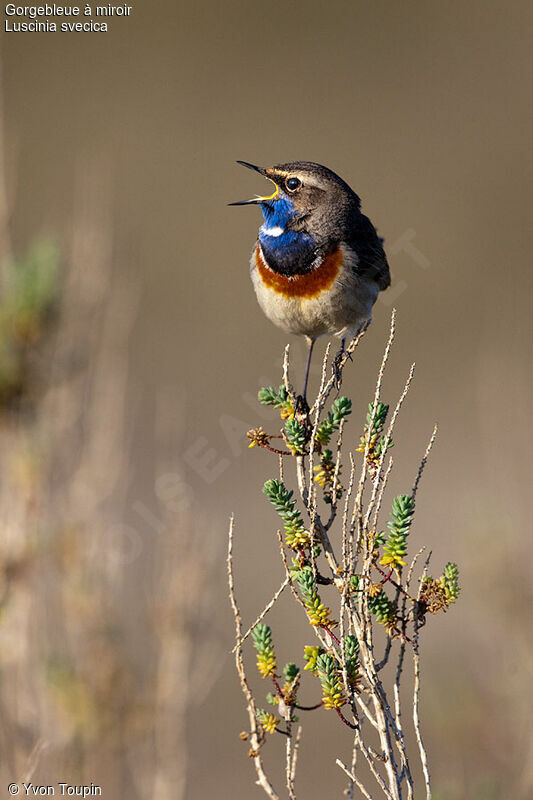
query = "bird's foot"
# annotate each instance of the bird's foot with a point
(301, 408)
(338, 364)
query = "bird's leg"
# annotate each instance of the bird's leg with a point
(302, 406)
(310, 345)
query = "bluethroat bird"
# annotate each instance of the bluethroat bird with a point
(318, 264)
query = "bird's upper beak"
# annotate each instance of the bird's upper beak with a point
(255, 200)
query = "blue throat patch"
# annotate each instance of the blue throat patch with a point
(288, 252)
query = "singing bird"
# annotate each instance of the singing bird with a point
(318, 264)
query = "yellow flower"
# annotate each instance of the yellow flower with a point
(320, 616)
(271, 723)
(391, 560)
(334, 700)
(374, 589)
(298, 539)
(311, 654)
(266, 664)
(320, 477)
(287, 410)
(268, 721)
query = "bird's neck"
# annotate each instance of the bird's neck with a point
(286, 251)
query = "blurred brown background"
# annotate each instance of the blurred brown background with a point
(121, 147)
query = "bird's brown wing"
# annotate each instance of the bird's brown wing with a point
(372, 261)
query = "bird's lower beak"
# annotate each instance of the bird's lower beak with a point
(256, 200)
(253, 200)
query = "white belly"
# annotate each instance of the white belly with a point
(339, 310)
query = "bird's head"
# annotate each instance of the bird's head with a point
(307, 199)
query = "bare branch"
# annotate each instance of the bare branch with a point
(354, 779)
(424, 460)
(416, 696)
(354, 679)
(295, 752)
(239, 663)
(263, 613)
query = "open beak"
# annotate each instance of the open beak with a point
(256, 200)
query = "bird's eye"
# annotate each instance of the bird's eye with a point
(292, 184)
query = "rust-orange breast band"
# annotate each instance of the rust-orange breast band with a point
(308, 285)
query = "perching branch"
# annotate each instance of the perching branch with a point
(352, 564)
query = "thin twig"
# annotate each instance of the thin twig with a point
(377, 393)
(388, 438)
(370, 761)
(398, 719)
(309, 708)
(286, 381)
(416, 695)
(262, 779)
(350, 789)
(357, 507)
(263, 613)
(346, 721)
(295, 752)
(354, 779)
(424, 460)
(287, 571)
(34, 758)
(379, 498)
(346, 355)
(346, 554)
(288, 762)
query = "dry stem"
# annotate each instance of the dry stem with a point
(369, 701)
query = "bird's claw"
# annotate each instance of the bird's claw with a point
(301, 407)
(338, 365)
